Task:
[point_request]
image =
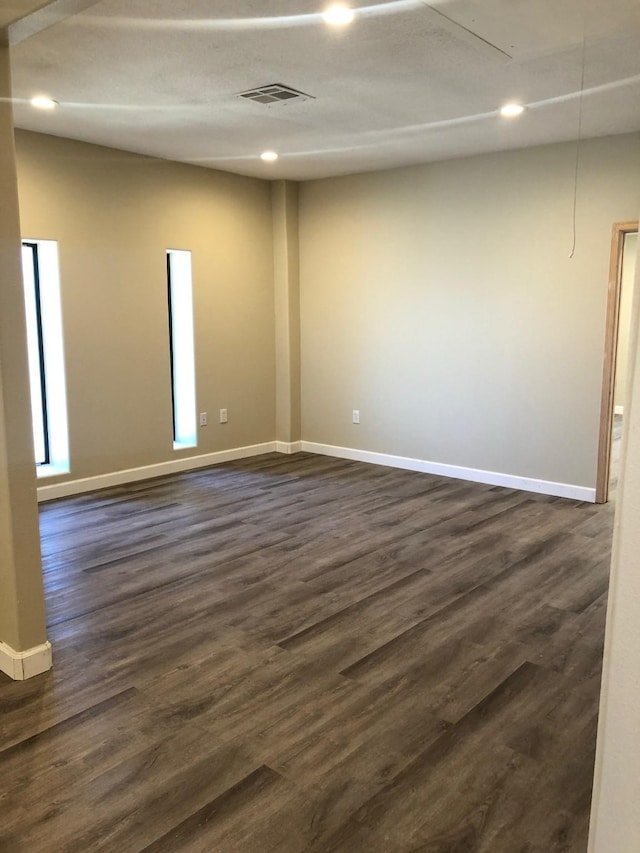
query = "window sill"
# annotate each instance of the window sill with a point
(183, 445)
(43, 471)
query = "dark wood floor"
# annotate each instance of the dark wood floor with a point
(297, 654)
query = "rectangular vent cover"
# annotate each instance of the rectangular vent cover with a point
(274, 93)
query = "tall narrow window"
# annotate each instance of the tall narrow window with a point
(35, 344)
(181, 348)
(46, 356)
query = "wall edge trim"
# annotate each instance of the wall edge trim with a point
(20, 666)
(147, 472)
(476, 475)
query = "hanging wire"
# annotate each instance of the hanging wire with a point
(579, 139)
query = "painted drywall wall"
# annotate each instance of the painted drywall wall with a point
(114, 215)
(615, 817)
(22, 616)
(629, 257)
(440, 301)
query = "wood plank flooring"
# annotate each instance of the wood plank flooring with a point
(310, 655)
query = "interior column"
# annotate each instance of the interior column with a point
(284, 196)
(24, 650)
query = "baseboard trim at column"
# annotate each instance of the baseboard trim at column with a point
(289, 446)
(23, 665)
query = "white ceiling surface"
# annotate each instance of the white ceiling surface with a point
(405, 83)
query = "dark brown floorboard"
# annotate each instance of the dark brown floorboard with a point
(311, 655)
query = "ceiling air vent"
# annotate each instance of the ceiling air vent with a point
(274, 93)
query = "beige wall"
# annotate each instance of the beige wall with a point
(22, 617)
(624, 326)
(114, 215)
(440, 301)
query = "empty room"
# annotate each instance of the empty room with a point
(319, 449)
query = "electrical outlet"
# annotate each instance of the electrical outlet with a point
(223, 416)
(356, 416)
(203, 418)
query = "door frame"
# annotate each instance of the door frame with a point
(618, 234)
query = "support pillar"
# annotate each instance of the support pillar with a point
(284, 196)
(24, 650)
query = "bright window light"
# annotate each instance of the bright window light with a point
(46, 356)
(182, 349)
(36, 353)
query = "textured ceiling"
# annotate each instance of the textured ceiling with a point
(407, 82)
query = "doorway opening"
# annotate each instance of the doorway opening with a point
(624, 241)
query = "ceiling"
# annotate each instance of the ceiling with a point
(407, 82)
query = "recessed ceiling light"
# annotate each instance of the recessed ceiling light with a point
(42, 102)
(511, 110)
(338, 15)
(269, 156)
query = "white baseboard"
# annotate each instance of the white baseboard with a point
(491, 478)
(132, 475)
(618, 410)
(288, 446)
(22, 665)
